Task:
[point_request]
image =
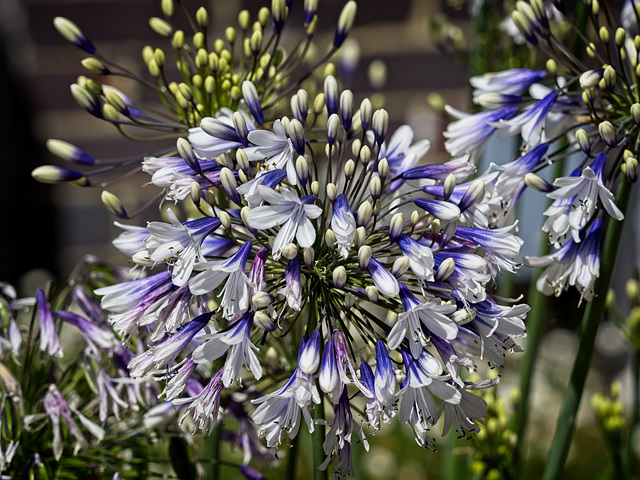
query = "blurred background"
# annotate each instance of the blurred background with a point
(399, 49)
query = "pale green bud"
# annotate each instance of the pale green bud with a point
(339, 276)
(445, 270)
(167, 7)
(364, 213)
(315, 188)
(590, 79)
(537, 183)
(225, 220)
(583, 141)
(230, 35)
(147, 54)
(400, 266)
(242, 160)
(109, 112)
(375, 187)
(361, 237)
(244, 212)
(396, 226)
(383, 168)
(449, 185)
(552, 67)
(635, 113)
(631, 169)
(94, 65)
(244, 19)
(332, 192)
(202, 17)
(330, 238)
(195, 192)
(160, 26)
(608, 133)
(261, 299)
(113, 204)
(210, 85)
(377, 74)
(349, 168)
(263, 16)
(415, 217)
(603, 33)
(609, 77)
(177, 41)
(154, 69)
(620, 37)
(372, 293)
(256, 43)
(632, 289)
(364, 256)
(591, 50)
(309, 256)
(365, 154)
(318, 103)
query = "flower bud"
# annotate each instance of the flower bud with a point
(449, 185)
(350, 168)
(537, 183)
(631, 169)
(603, 33)
(396, 226)
(383, 168)
(361, 237)
(263, 320)
(365, 154)
(252, 100)
(552, 67)
(331, 93)
(302, 169)
(474, 194)
(620, 36)
(400, 266)
(364, 256)
(309, 256)
(380, 123)
(225, 220)
(364, 213)
(160, 26)
(583, 141)
(608, 133)
(315, 188)
(94, 65)
(309, 355)
(202, 17)
(346, 109)
(185, 150)
(195, 192)
(143, 259)
(228, 181)
(375, 187)
(255, 43)
(609, 77)
(372, 293)
(279, 14)
(345, 23)
(290, 251)
(339, 276)
(590, 78)
(635, 113)
(332, 192)
(366, 114)
(330, 238)
(318, 104)
(261, 299)
(53, 174)
(69, 152)
(349, 300)
(114, 205)
(73, 34)
(333, 125)
(445, 270)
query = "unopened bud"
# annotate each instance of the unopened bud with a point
(225, 220)
(345, 23)
(339, 276)
(160, 26)
(202, 17)
(242, 160)
(263, 320)
(290, 251)
(360, 237)
(372, 293)
(620, 36)
(330, 238)
(364, 256)
(228, 181)
(400, 266)
(603, 33)
(395, 227)
(114, 205)
(195, 192)
(315, 188)
(349, 300)
(350, 167)
(366, 114)
(302, 169)
(635, 113)
(332, 192)
(94, 65)
(463, 315)
(445, 270)
(474, 194)
(380, 124)
(608, 133)
(69, 152)
(261, 299)
(449, 185)
(383, 168)
(537, 183)
(415, 217)
(309, 256)
(582, 137)
(365, 154)
(143, 259)
(364, 213)
(590, 78)
(631, 169)
(552, 67)
(346, 109)
(375, 187)
(609, 77)
(333, 125)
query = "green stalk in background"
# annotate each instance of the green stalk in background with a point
(590, 322)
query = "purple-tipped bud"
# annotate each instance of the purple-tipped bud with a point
(333, 124)
(73, 34)
(331, 94)
(309, 354)
(329, 375)
(346, 109)
(385, 380)
(53, 174)
(252, 99)
(380, 124)
(345, 23)
(295, 131)
(310, 8)
(69, 152)
(186, 152)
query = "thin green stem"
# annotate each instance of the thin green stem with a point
(628, 460)
(291, 463)
(317, 439)
(590, 321)
(212, 452)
